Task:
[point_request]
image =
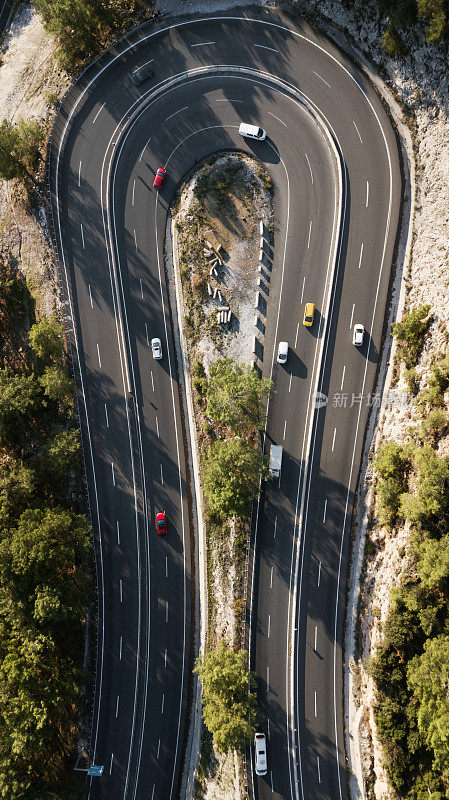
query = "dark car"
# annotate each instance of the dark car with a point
(161, 523)
(159, 178)
(141, 74)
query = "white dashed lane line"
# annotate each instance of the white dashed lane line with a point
(165, 659)
(302, 297)
(141, 155)
(98, 353)
(314, 702)
(135, 238)
(275, 526)
(268, 679)
(358, 132)
(285, 428)
(106, 415)
(278, 119)
(269, 626)
(98, 112)
(157, 428)
(343, 377)
(325, 509)
(271, 578)
(163, 703)
(120, 649)
(162, 476)
(79, 174)
(134, 191)
(166, 566)
(166, 611)
(310, 231)
(333, 439)
(152, 381)
(176, 112)
(146, 333)
(352, 316)
(315, 638)
(318, 768)
(118, 533)
(141, 288)
(158, 748)
(319, 575)
(310, 168)
(264, 47)
(116, 706)
(199, 44)
(361, 255)
(110, 765)
(121, 590)
(290, 382)
(367, 194)
(113, 473)
(90, 297)
(82, 237)
(322, 79)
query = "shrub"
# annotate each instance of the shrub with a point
(409, 334)
(391, 465)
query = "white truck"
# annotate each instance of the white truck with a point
(275, 460)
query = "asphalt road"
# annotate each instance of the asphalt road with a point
(109, 139)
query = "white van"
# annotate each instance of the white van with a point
(252, 132)
(260, 748)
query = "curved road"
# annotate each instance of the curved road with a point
(109, 138)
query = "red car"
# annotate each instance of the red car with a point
(159, 178)
(161, 523)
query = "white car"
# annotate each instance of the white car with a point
(282, 352)
(260, 747)
(156, 347)
(357, 336)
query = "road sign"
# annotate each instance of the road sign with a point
(95, 770)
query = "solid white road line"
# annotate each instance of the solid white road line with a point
(82, 237)
(98, 353)
(358, 132)
(316, 633)
(176, 112)
(264, 47)
(110, 765)
(98, 112)
(275, 526)
(121, 590)
(333, 439)
(152, 381)
(90, 297)
(310, 231)
(278, 119)
(367, 194)
(79, 174)
(324, 515)
(319, 575)
(310, 168)
(201, 44)
(271, 578)
(116, 706)
(157, 428)
(302, 297)
(352, 316)
(113, 472)
(269, 625)
(163, 702)
(343, 377)
(162, 476)
(106, 415)
(285, 426)
(361, 254)
(314, 701)
(134, 192)
(290, 382)
(120, 648)
(318, 768)
(146, 333)
(322, 79)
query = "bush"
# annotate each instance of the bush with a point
(231, 477)
(409, 334)
(391, 465)
(46, 339)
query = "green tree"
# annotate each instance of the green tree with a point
(64, 451)
(46, 340)
(19, 149)
(58, 386)
(409, 334)
(229, 698)
(231, 474)
(236, 396)
(428, 677)
(17, 485)
(436, 12)
(18, 397)
(433, 562)
(391, 465)
(429, 506)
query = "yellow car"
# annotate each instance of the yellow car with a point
(309, 311)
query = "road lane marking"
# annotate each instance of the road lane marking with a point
(343, 377)
(271, 778)
(165, 659)
(310, 231)
(352, 316)
(110, 765)
(269, 625)
(152, 381)
(152, 793)
(314, 702)
(120, 650)
(302, 296)
(98, 353)
(278, 119)
(290, 382)
(106, 415)
(116, 706)
(310, 168)
(118, 533)
(121, 590)
(141, 288)
(134, 191)
(201, 44)
(319, 575)
(79, 174)
(90, 297)
(157, 428)
(98, 112)
(82, 236)
(113, 472)
(176, 112)
(148, 341)
(275, 526)
(166, 566)
(318, 767)
(367, 194)
(227, 100)
(316, 634)
(268, 679)
(322, 79)
(166, 611)
(333, 439)
(135, 238)
(268, 727)
(285, 426)
(361, 254)
(271, 578)
(162, 476)
(163, 703)
(158, 748)
(141, 155)
(358, 132)
(324, 515)
(264, 47)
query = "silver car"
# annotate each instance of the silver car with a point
(156, 347)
